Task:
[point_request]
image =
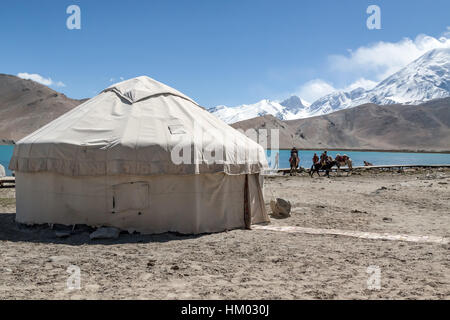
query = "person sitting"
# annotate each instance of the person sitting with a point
(294, 156)
(315, 158)
(323, 158)
(367, 164)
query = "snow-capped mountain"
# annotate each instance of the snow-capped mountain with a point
(424, 79)
(335, 101)
(283, 111)
(295, 104)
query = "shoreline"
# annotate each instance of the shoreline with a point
(366, 150)
(12, 143)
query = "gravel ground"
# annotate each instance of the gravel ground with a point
(256, 264)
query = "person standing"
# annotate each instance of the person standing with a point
(277, 160)
(294, 155)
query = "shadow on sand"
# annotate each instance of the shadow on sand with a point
(16, 232)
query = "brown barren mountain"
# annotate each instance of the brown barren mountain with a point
(288, 135)
(25, 106)
(424, 127)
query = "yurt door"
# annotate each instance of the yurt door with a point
(132, 196)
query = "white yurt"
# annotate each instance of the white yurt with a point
(140, 156)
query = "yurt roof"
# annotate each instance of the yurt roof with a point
(135, 127)
(140, 88)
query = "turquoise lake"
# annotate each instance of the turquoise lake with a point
(358, 157)
(6, 153)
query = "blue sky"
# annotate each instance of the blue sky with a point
(218, 51)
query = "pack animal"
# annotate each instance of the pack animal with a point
(315, 168)
(342, 161)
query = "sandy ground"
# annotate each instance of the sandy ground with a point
(257, 264)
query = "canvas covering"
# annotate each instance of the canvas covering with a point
(110, 162)
(136, 127)
(189, 204)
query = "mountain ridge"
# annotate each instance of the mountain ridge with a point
(424, 79)
(26, 106)
(412, 128)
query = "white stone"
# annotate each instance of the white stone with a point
(105, 233)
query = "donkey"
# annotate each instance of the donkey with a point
(318, 166)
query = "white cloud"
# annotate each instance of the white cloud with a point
(114, 79)
(35, 77)
(315, 89)
(40, 79)
(372, 63)
(446, 34)
(361, 83)
(60, 84)
(380, 60)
